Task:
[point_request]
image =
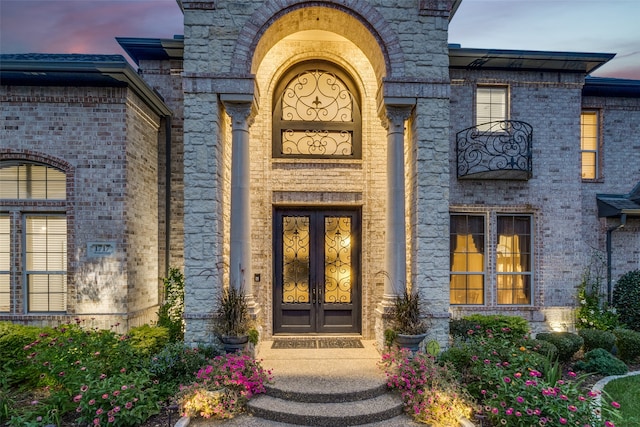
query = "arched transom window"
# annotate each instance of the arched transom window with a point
(316, 114)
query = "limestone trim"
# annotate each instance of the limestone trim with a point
(272, 10)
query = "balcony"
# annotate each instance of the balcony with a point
(495, 150)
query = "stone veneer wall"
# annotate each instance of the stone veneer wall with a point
(86, 131)
(408, 47)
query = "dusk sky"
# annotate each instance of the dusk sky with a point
(89, 26)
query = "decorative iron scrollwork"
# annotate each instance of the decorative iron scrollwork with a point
(337, 264)
(501, 150)
(295, 260)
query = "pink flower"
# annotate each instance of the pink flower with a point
(519, 399)
(99, 411)
(128, 405)
(92, 402)
(615, 404)
(507, 380)
(84, 388)
(609, 424)
(572, 374)
(105, 396)
(96, 421)
(77, 398)
(572, 408)
(563, 420)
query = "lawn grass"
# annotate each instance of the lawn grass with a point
(626, 391)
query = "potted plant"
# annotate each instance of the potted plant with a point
(408, 324)
(232, 323)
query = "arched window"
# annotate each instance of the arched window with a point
(317, 113)
(32, 237)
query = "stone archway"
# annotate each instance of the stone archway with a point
(357, 21)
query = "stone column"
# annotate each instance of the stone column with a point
(241, 109)
(396, 239)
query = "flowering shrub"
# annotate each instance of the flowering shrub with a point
(430, 392)
(223, 387)
(93, 373)
(508, 379)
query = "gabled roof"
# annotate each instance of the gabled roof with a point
(615, 205)
(44, 69)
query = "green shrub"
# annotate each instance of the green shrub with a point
(567, 343)
(13, 339)
(148, 339)
(602, 362)
(459, 356)
(460, 327)
(595, 338)
(514, 326)
(544, 348)
(626, 299)
(172, 309)
(628, 344)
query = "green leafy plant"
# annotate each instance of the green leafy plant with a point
(602, 362)
(626, 299)
(407, 316)
(546, 348)
(254, 336)
(148, 339)
(628, 344)
(479, 323)
(567, 343)
(172, 309)
(389, 337)
(596, 338)
(593, 310)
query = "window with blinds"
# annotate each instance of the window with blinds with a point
(24, 181)
(46, 262)
(491, 105)
(5, 263)
(589, 144)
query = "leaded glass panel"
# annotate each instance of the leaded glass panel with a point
(295, 259)
(337, 264)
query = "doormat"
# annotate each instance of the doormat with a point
(292, 343)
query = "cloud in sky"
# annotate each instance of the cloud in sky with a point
(90, 26)
(83, 26)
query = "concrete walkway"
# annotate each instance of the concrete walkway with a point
(344, 370)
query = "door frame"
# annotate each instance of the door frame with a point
(318, 213)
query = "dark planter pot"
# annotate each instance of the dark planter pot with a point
(411, 342)
(232, 344)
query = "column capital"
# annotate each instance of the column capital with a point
(241, 109)
(393, 116)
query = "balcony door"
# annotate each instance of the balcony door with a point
(317, 271)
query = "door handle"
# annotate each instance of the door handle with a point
(313, 296)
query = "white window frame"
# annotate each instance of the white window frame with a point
(498, 95)
(596, 152)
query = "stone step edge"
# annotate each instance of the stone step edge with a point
(351, 413)
(326, 397)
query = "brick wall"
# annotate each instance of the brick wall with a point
(86, 131)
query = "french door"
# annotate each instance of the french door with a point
(317, 271)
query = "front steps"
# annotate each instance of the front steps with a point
(329, 402)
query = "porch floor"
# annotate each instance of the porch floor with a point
(320, 372)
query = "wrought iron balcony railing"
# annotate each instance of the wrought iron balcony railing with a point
(495, 150)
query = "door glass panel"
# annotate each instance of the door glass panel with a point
(337, 264)
(295, 259)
